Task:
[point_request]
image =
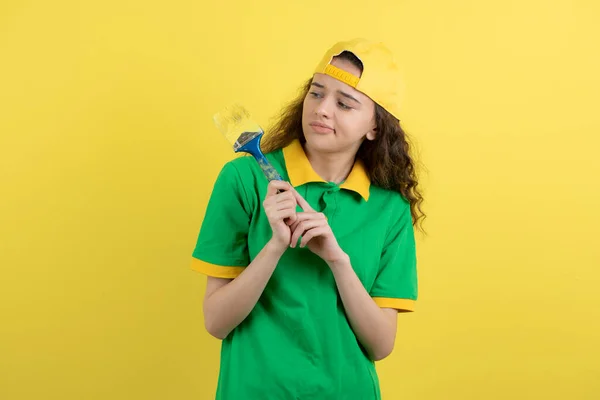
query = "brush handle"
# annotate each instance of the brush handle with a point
(269, 171)
(253, 147)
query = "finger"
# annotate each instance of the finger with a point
(297, 230)
(301, 228)
(272, 210)
(273, 200)
(304, 216)
(283, 214)
(294, 225)
(291, 220)
(283, 196)
(313, 233)
(295, 236)
(275, 186)
(308, 224)
(308, 216)
(301, 202)
(285, 204)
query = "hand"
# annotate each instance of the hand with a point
(280, 207)
(316, 233)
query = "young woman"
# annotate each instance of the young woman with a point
(306, 276)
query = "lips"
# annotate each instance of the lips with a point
(321, 127)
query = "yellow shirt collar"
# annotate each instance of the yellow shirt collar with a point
(300, 171)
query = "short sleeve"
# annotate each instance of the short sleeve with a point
(396, 283)
(222, 245)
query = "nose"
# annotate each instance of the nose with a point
(324, 108)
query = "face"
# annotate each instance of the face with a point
(335, 116)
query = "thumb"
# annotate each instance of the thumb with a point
(301, 202)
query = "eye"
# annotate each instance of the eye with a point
(343, 106)
(316, 95)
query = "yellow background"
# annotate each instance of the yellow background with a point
(108, 154)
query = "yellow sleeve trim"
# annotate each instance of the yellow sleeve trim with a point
(217, 271)
(398, 304)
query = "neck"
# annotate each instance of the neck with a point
(331, 167)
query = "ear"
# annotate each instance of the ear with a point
(372, 134)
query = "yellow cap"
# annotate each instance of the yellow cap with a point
(380, 79)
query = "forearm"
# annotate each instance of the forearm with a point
(230, 304)
(374, 328)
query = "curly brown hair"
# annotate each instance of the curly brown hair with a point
(387, 158)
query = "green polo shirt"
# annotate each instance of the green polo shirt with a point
(297, 342)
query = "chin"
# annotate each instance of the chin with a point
(320, 143)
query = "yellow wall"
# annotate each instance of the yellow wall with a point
(108, 153)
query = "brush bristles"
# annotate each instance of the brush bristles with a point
(236, 125)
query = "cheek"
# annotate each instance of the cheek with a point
(352, 126)
(306, 109)
(306, 106)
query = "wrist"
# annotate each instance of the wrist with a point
(340, 262)
(275, 247)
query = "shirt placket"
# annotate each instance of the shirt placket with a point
(329, 200)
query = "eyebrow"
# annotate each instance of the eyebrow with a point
(347, 95)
